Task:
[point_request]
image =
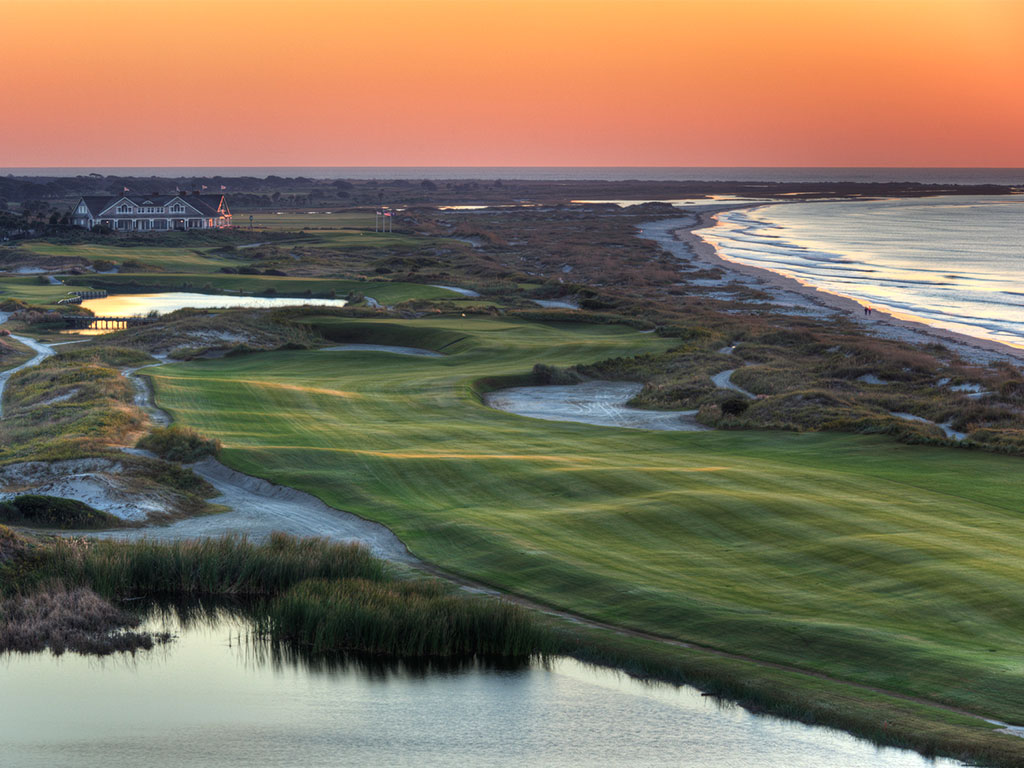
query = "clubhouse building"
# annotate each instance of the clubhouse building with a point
(136, 213)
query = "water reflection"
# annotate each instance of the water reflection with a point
(216, 697)
(142, 304)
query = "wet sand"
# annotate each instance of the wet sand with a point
(677, 236)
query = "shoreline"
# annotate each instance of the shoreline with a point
(878, 323)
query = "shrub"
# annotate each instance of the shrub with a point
(178, 443)
(735, 406)
(54, 512)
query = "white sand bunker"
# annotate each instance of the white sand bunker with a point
(257, 508)
(601, 403)
(382, 348)
(101, 483)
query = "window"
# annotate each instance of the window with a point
(178, 208)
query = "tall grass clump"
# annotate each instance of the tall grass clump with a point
(179, 443)
(401, 618)
(228, 566)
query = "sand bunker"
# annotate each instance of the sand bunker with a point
(101, 483)
(382, 348)
(946, 427)
(464, 291)
(258, 508)
(551, 304)
(601, 403)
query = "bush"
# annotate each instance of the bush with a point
(54, 512)
(550, 374)
(178, 443)
(735, 406)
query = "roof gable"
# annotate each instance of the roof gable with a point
(203, 205)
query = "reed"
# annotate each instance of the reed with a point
(401, 618)
(206, 567)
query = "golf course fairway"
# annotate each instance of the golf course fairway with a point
(891, 565)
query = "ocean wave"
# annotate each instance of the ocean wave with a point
(896, 253)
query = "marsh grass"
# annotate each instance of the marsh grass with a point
(230, 566)
(325, 597)
(402, 619)
(75, 619)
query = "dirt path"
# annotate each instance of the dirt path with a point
(723, 380)
(42, 352)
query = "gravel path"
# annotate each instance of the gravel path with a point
(42, 352)
(723, 380)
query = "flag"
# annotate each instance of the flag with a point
(125, 189)
(222, 187)
(205, 187)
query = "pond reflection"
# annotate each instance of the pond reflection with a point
(217, 697)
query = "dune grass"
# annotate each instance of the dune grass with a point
(857, 557)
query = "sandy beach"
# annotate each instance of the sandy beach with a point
(677, 236)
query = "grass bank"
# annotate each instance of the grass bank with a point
(323, 597)
(857, 557)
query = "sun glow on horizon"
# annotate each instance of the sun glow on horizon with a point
(512, 83)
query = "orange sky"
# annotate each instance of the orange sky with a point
(511, 82)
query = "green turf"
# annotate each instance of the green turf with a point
(894, 565)
(290, 220)
(29, 289)
(171, 259)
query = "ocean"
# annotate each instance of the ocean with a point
(1007, 176)
(954, 262)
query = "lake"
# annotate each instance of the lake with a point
(212, 699)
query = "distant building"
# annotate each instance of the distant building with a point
(156, 212)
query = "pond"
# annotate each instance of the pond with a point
(129, 304)
(210, 698)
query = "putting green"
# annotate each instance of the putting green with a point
(893, 565)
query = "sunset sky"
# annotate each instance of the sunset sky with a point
(511, 82)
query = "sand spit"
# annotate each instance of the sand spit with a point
(600, 403)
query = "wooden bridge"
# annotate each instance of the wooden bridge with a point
(82, 322)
